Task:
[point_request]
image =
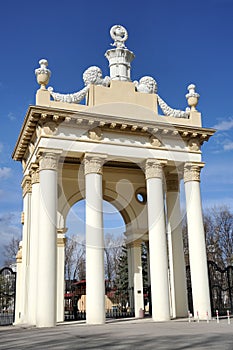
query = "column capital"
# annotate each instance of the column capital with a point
(61, 241)
(192, 171)
(48, 160)
(153, 168)
(134, 244)
(34, 171)
(26, 185)
(173, 183)
(93, 163)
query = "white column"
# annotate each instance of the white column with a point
(196, 237)
(130, 277)
(137, 277)
(33, 268)
(176, 251)
(148, 262)
(26, 218)
(157, 241)
(47, 254)
(95, 279)
(19, 288)
(60, 274)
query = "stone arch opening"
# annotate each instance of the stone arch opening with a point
(114, 248)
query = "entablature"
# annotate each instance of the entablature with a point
(51, 118)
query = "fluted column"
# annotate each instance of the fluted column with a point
(47, 255)
(176, 249)
(33, 269)
(157, 241)
(196, 237)
(95, 281)
(136, 275)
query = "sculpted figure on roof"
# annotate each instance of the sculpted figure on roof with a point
(147, 85)
(119, 35)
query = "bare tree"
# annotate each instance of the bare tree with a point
(219, 235)
(113, 250)
(74, 260)
(218, 226)
(10, 251)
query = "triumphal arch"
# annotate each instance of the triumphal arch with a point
(126, 145)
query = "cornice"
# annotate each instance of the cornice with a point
(36, 114)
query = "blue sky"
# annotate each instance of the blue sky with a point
(176, 42)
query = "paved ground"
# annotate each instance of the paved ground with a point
(121, 334)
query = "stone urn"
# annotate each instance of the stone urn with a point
(192, 97)
(43, 74)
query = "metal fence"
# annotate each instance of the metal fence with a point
(221, 288)
(7, 296)
(81, 315)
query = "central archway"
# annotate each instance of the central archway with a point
(114, 248)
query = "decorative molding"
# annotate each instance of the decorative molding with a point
(192, 172)
(50, 128)
(154, 168)
(93, 164)
(26, 185)
(154, 141)
(48, 161)
(95, 134)
(194, 144)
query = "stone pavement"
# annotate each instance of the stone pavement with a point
(121, 334)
